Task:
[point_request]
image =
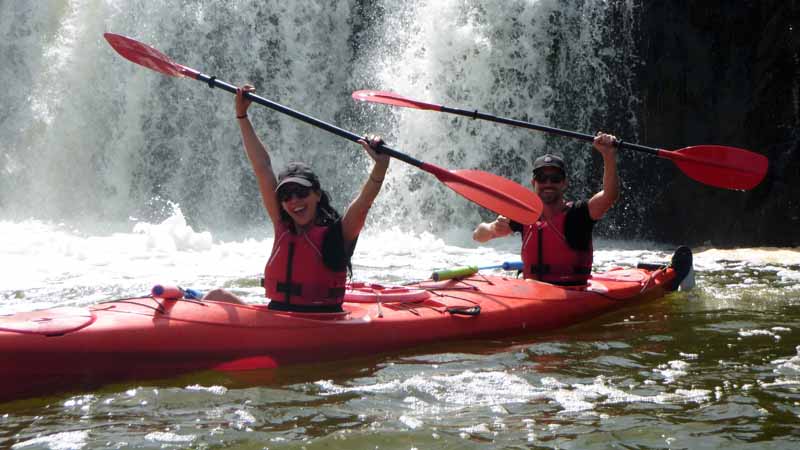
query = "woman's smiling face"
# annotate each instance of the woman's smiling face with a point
(300, 202)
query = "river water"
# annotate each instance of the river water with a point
(105, 165)
(715, 367)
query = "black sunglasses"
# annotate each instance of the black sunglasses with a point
(293, 190)
(553, 177)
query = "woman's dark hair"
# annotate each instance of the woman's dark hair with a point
(334, 254)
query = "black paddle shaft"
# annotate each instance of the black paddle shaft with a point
(518, 123)
(383, 148)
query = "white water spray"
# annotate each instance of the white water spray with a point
(91, 138)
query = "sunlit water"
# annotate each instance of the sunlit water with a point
(711, 368)
(89, 138)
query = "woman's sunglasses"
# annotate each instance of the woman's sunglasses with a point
(553, 177)
(293, 190)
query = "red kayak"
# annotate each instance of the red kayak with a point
(152, 337)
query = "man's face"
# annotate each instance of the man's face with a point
(549, 183)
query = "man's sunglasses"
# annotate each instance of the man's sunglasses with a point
(553, 177)
(293, 190)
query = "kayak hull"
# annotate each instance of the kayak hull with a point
(150, 337)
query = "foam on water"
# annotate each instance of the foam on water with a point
(672, 370)
(762, 256)
(773, 333)
(216, 390)
(783, 263)
(168, 437)
(68, 440)
(432, 394)
(789, 367)
(49, 264)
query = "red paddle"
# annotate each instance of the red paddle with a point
(715, 165)
(493, 192)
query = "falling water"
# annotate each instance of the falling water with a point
(91, 138)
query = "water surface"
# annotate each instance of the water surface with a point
(715, 367)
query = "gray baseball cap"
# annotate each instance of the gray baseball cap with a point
(549, 160)
(299, 173)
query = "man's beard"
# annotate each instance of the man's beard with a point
(550, 197)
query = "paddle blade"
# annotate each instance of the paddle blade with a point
(720, 166)
(496, 193)
(147, 56)
(389, 98)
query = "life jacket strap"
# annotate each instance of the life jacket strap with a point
(293, 289)
(310, 290)
(547, 268)
(336, 292)
(540, 269)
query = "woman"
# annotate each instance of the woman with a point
(307, 269)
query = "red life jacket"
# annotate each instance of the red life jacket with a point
(295, 273)
(546, 255)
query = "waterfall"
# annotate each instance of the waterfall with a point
(558, 63)
(88, 137)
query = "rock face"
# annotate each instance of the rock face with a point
(727, 73)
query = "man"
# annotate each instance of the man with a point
(558, 248)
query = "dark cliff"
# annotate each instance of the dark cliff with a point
(727, 73)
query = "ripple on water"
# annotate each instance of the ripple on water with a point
(430, 395)
(168, 437)
(69, 440)
(789, 367)
(672, 370)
